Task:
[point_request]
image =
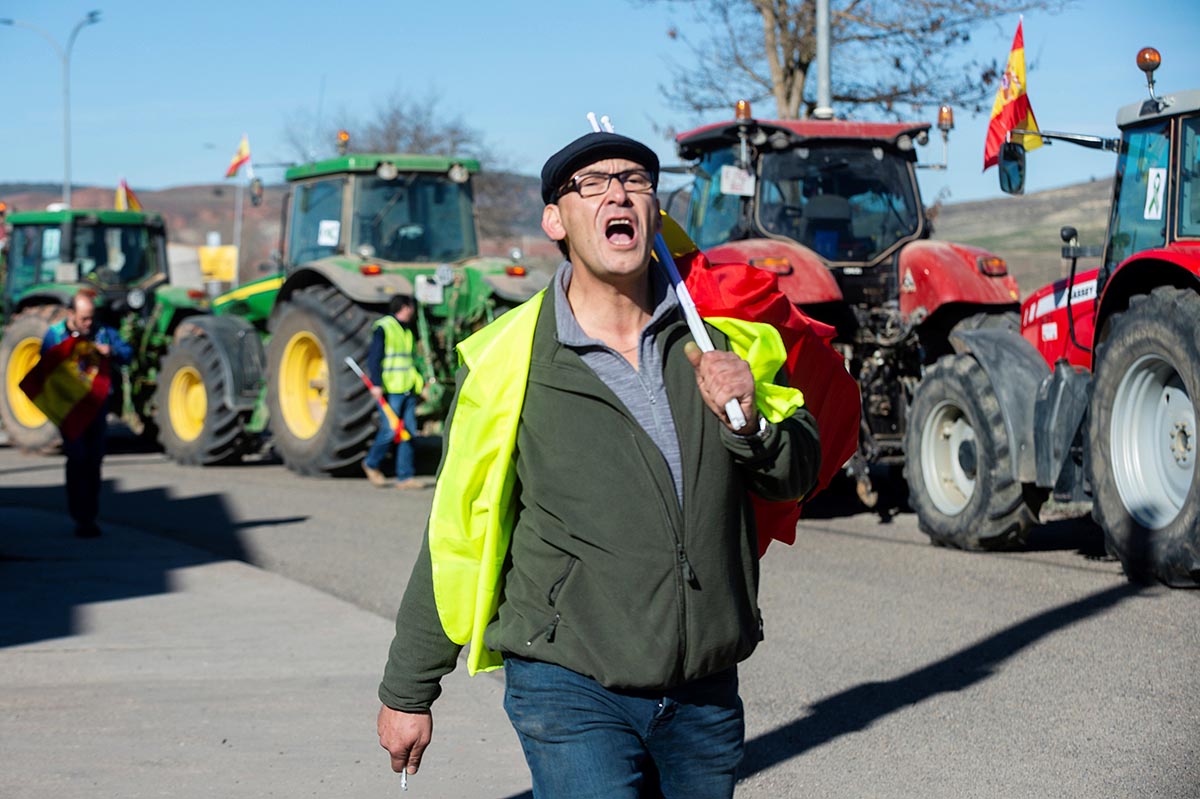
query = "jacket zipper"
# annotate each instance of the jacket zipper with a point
(682, 568)
(548, 631)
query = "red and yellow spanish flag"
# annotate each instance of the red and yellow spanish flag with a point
(1011, 111)
(126, 200)
(70, 385)
(242, 156)
(741, 291)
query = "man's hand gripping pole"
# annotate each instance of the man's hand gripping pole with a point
(695, 324)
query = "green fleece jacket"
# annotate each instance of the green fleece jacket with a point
(607, 575)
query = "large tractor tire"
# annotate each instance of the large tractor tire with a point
(322, 416)
(959, 462)
(195, 424)
(20, 349)
(1142, 439)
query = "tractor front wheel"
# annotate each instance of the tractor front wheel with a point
(322, 417)
(959, 462)
(21, 349)
(195, 424)
(1143, 437)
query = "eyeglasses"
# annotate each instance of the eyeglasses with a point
(593, 184)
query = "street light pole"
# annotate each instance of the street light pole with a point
(64, 55)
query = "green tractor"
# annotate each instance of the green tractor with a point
(358, 229)
(122, 257)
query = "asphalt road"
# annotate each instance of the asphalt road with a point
(891, 668)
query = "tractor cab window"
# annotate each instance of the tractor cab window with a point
(712, 216)
(416, 218)
(1139, 215)
(316, 220)
(34, 253)
(845, 203)
(109, 255)
(116, 255)
(1189, 180)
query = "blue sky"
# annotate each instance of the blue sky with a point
(161, 92)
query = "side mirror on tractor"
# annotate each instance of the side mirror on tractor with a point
(1012, 168)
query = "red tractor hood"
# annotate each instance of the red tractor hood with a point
(805, 280)
(936, 273)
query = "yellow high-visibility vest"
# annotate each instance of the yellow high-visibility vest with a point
(471, 521)
(399, 374)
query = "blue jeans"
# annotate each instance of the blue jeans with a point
(583, 740)
(405, 406)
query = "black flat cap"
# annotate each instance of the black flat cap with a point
(589, 149)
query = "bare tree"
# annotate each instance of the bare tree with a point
(401, 123)
(885, 55)
(398, 124)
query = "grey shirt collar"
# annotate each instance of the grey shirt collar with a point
(571, 334)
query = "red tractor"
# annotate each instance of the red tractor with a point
(834, 210)
(1095, 399)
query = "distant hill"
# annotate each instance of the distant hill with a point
(1023, 230)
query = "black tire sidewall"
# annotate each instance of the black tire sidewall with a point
(188, 351)
(295, 319)
(341, 328)
(29, 324)
(1164, 324)
(960, 380)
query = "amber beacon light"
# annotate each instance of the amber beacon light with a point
(1148, 60)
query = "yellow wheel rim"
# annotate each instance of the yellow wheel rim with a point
(187, 404)
(24, 356)
(303, 385)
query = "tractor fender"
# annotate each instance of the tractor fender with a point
(44, 296)
(516, 289)
(1062, 404)
(363, 289)
(240, 349)
(1016, 372)
(1177, 265)
(806, 280)
(936, 273)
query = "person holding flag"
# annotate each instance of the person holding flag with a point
(1011, 111)
(79, 351)
(591, 529)
(394, 381)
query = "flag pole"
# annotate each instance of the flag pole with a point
(237, 231)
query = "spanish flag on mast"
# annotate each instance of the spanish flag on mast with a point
(242, 156)
(1012, 110)
(125, 199)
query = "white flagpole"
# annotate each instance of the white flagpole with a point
(237, 231)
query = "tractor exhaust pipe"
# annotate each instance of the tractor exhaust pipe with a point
(824, 109)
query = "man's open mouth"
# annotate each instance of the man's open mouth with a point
(620, 231)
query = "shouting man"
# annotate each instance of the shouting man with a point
(613, 569)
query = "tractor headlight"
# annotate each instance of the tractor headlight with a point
(992, 266)
(136, 299)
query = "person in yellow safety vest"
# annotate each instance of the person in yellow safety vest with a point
(592, 529)
(396, 380)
